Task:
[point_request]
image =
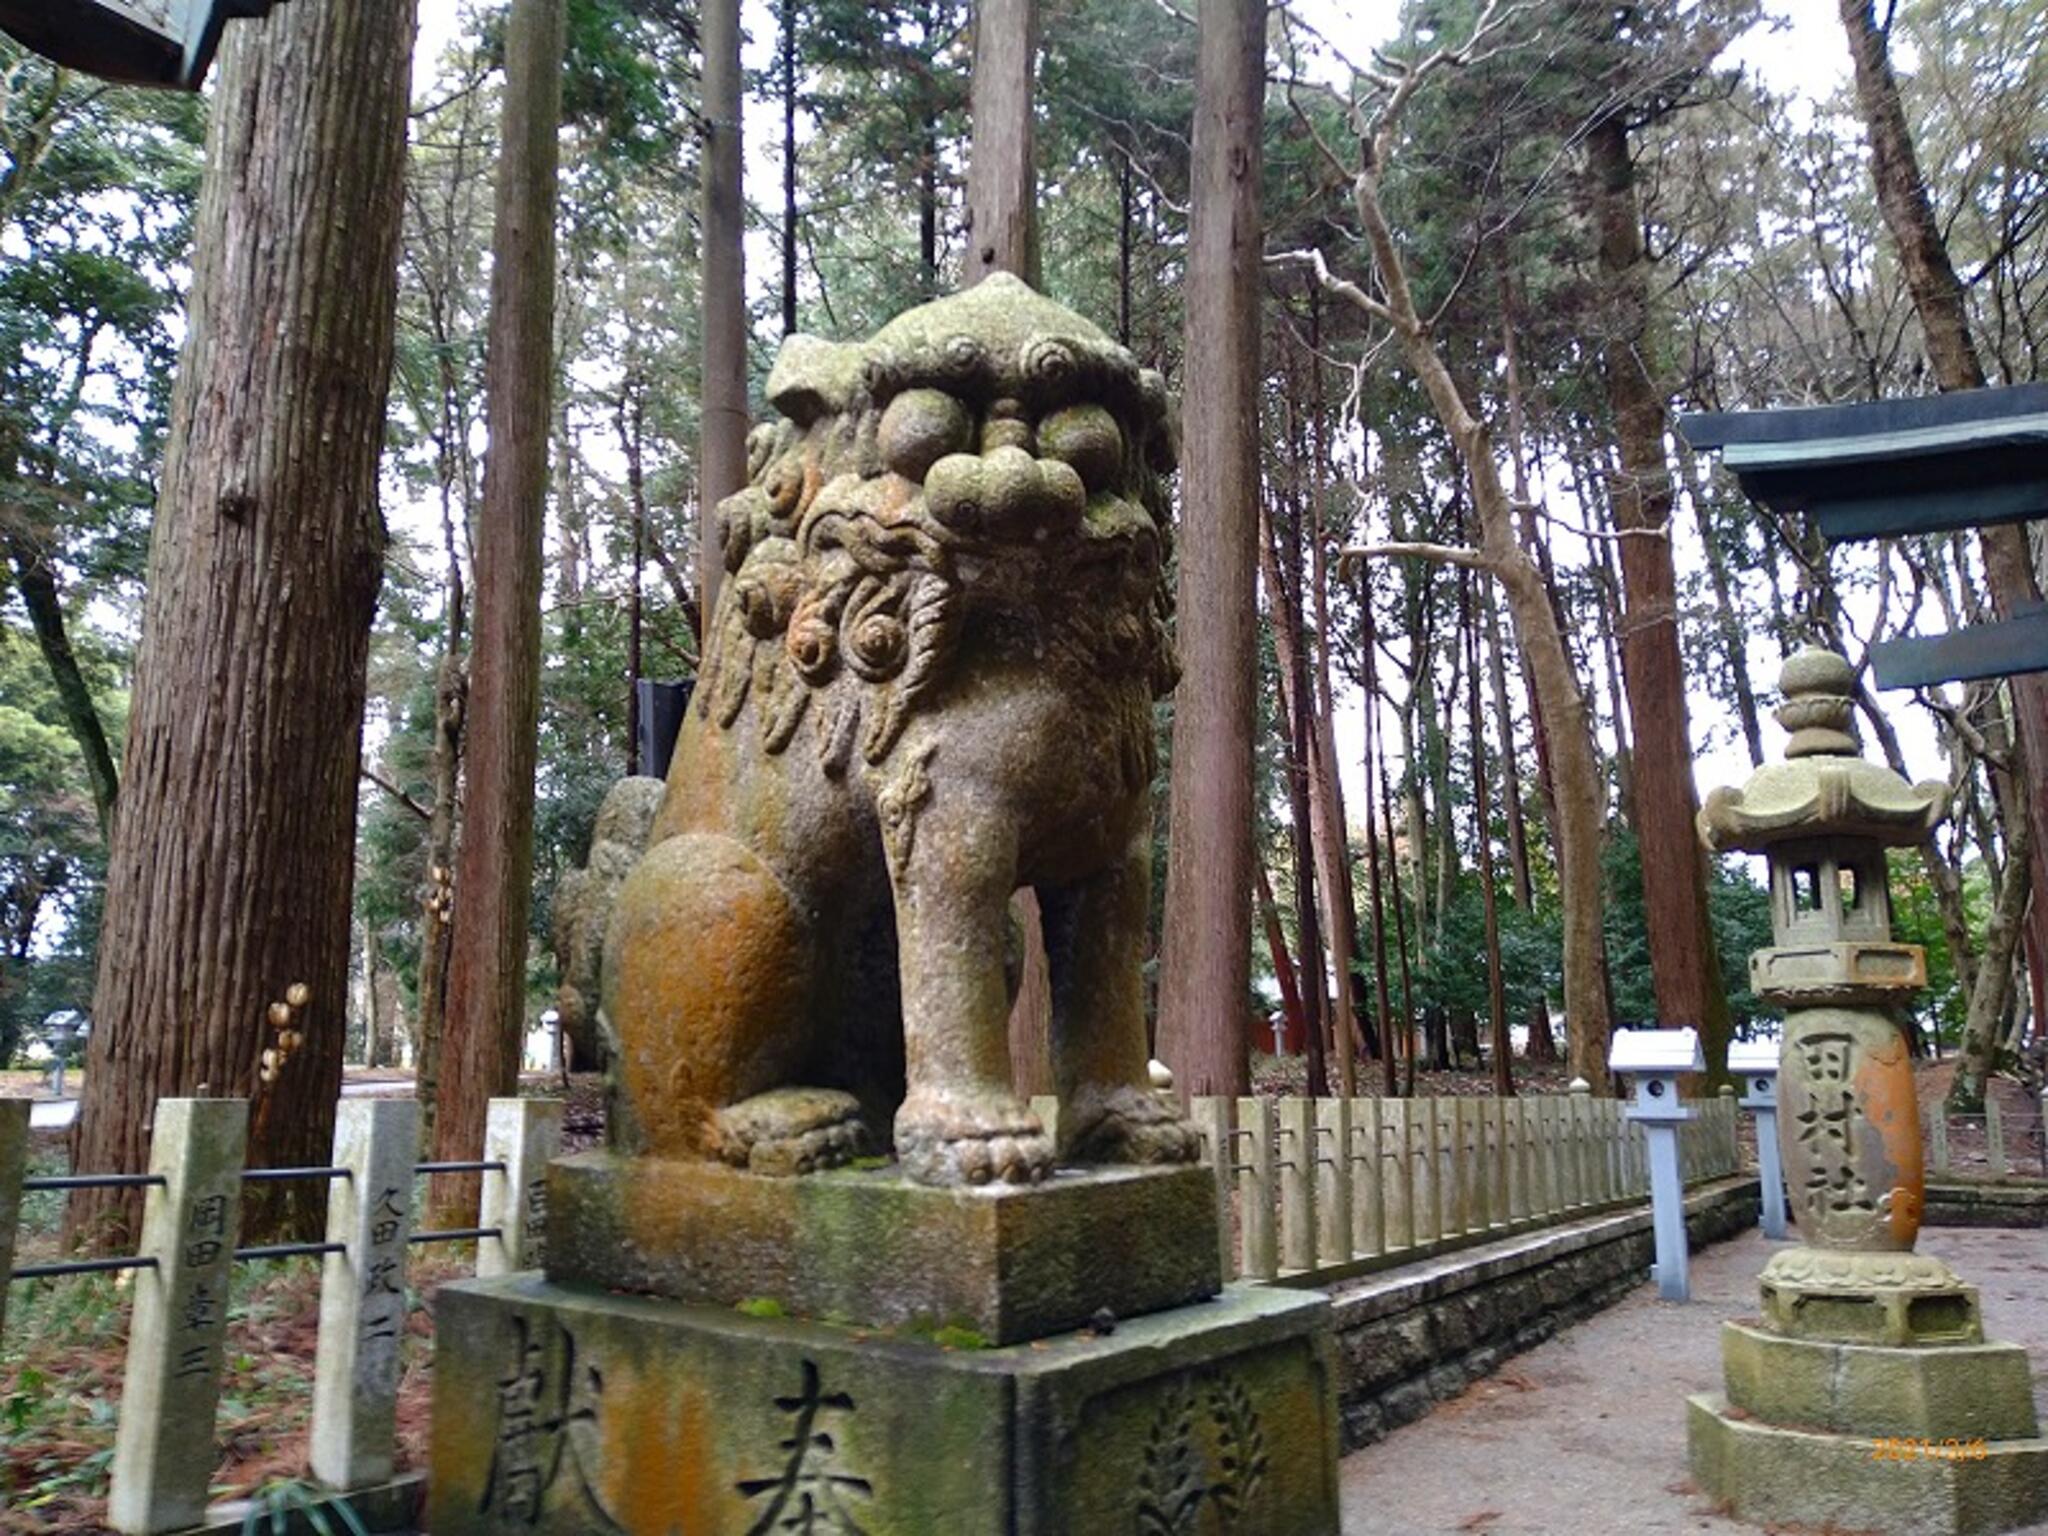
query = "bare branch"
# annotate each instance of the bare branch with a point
(1343, 288)
(1351, 556)
(396, 793)
(1612, 535)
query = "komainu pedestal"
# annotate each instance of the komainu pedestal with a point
(858, 1352)
(1866, 1397)
(577, 1412)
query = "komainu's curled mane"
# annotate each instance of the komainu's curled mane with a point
(928, 682)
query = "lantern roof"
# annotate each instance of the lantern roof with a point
(1825, 787)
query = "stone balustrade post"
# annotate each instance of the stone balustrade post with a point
(1332, 1145)
(1454, 1170)
(164, 1451)
(1493, 1163)
(1579, 1108)
(1500, 1126)
(1211, 1114)
(1514, 1149)
(1255, 1192)
(524, 1135)
(362, 1292)
(1427, 1212)
(1297, 1183)
(1368, 1176)
(1460, 1167)
(13, 1168)
(1397, 1190)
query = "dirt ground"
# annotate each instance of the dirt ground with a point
(1585, 1435)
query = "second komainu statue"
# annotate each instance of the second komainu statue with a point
(929, 681)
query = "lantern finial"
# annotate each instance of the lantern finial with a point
(1819, 708)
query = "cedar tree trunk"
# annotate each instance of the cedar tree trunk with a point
(1684, 967)
(1002, 197)
(486, 1012)
(234, 852)
(722, 455)
(1205, 955)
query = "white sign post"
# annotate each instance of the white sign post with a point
(1754, 1064)
(1653, 1059)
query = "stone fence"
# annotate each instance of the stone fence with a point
(1320, 1190)
(1309, 1191)
(1987, 1145)
(164, 1450)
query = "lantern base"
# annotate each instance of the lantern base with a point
(1773, 1474)
(1869, 1298)
(1956, 1392)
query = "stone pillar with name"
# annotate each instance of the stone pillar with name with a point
(1863, 1343)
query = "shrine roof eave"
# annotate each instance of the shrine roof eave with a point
(1930, 464)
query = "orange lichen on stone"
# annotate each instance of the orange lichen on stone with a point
(694, 1046)
(659, 1454)
(1884, 1089)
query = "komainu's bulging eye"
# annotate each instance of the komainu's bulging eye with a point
(920, 427)
(1086, 437)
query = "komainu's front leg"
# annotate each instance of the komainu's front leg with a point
(1095, 947)
(952, 864)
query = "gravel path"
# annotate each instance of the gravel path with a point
(1585, 1435)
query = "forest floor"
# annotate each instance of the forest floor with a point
(1594, 1420)
(62, 1349)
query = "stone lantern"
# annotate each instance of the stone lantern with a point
(1862, 1340)
(140, 42)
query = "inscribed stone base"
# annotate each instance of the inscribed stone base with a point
(1765, 1473)
(870, 1248)
(572, 1412)
(1956, 1391)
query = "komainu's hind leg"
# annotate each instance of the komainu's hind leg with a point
(709, 974)
(1094, 940)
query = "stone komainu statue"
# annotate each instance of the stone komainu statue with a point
(929, 681)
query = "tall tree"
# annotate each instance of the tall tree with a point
(1374, 122)
(1683, 964)
(486, 1009)
(1941, 304)
(789, 158)
(722, 458)
(1002, 192)
(1205, 956)
(228, 888)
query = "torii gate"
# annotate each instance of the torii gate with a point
(1935, 464)
(137, 42)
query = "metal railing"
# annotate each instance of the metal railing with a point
(185, 1266)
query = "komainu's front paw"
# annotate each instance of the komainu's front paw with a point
(1128, 1125)
(791, 1130)
(971, 1138)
